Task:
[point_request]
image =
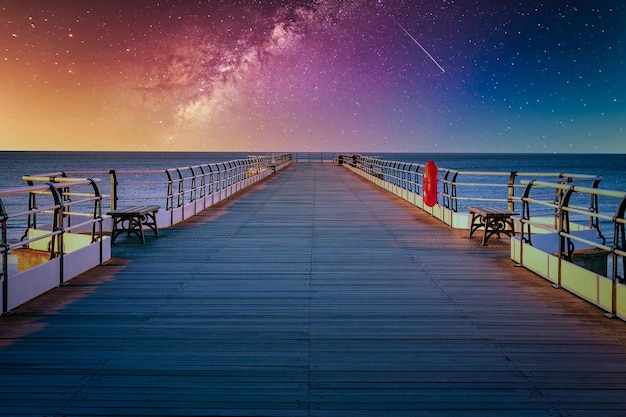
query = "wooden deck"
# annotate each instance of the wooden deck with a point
(311, 294)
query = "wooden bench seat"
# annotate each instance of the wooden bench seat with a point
(493, 220)
(132, 221)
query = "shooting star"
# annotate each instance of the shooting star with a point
(420, 45)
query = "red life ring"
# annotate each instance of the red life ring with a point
(429, 184)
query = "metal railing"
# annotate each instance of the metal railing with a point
(59, 203)
(56, 207)
(587, 221)
(314, 156)
(460, 188)
(175, 187)
(572, 216)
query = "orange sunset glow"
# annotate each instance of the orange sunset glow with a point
(394, 76)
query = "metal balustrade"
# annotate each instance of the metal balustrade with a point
(65, 214)
(318, 157)
(61, 211)
(572, 231)
(577, 230)
(560, 214)
(459, 188)
(174, 188)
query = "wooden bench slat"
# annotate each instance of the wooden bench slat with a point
(135, 210)
(132, 220)
(484, 210)
(494, 220)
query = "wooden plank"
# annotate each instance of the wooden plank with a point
(313, 293)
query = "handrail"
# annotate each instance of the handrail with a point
(457, 185)
(60, 203)
(563, 204)
(61, 191)
(565, 227)
(315, 157)
(179, 185)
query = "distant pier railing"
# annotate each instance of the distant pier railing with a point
(460, 188)
(572, 231)
(315, 156)
(182, 191)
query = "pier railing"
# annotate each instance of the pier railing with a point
(584, 249)
(572, 231)
(314, 156)
(460, 188)
(56, 227)
(63, 216)
(181, 191)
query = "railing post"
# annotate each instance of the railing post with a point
(418, 181)
(114, 191)
(4, 247)
(566, 247)
(455, 202)
(619, 242)
(445, 195)
(511, 193)
(5, 278)
(231, 178)
(449, 191)
(97, 211)
(193, 192)
(4, 216)
(525, 217)
(169, 199)
(96, 228)
(181, 188)
(412, 177)
(557, 199)
(203, 192)
(219, 178)
(56, 240)
(210, 184)
(594, 222)
(31, 222)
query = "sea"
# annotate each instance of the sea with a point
(15, 164)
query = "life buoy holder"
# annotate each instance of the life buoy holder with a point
(429, 184)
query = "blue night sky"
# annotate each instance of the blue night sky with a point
(302, 75)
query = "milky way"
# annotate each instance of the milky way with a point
(313, 75)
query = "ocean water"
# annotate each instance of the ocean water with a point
(13, 165)
(612, 167)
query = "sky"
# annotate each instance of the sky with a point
(306, 75)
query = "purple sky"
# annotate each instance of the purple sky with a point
(367, 76)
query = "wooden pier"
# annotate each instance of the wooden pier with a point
(312, 293)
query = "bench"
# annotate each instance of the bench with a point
(132, 221)
(493, 219)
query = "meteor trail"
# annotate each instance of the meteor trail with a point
(418, 44)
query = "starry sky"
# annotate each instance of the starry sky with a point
(306, 75)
